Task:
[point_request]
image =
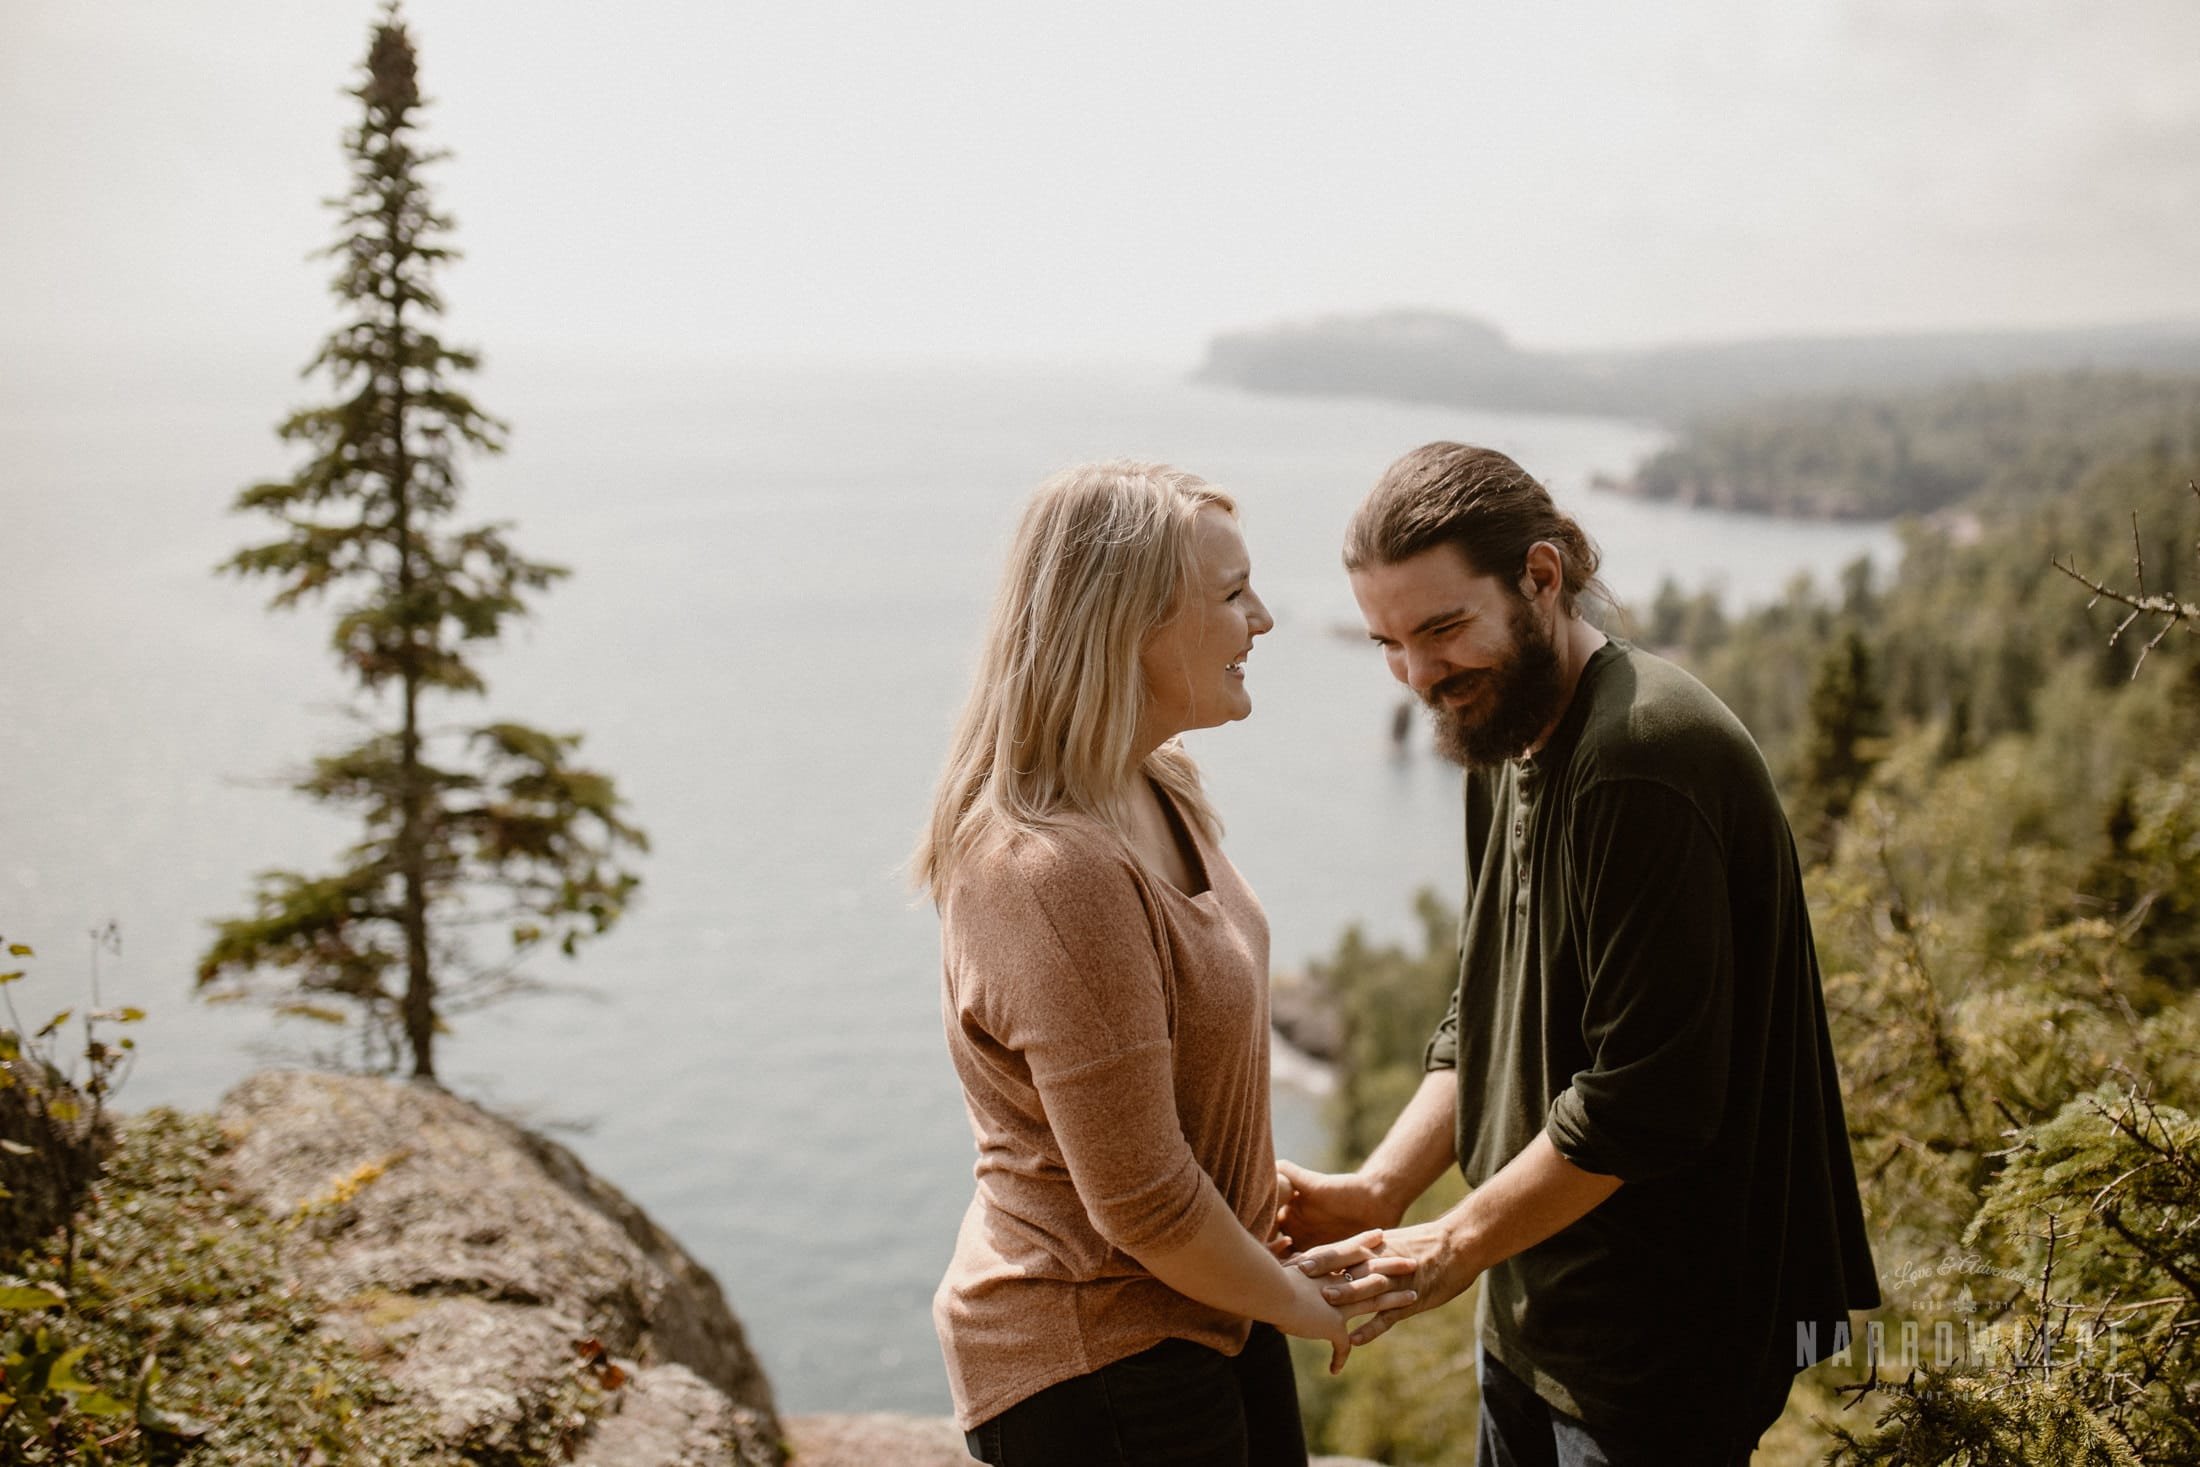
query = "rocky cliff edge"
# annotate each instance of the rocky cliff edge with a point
(525, 1303)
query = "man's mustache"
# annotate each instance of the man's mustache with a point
(1457, 685)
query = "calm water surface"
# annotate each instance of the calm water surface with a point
(781, 579)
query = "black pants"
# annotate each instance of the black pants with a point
(1521, 1429)
(1175, 1405)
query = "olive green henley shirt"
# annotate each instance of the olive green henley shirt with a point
(1637, 980)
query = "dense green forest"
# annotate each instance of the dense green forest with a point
(1874, 456)
(2002, 826)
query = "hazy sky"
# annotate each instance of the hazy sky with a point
(730, 178)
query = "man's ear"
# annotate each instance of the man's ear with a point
(1542, 569)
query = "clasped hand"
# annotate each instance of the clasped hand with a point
(1368, 1282)
(1389, 1272)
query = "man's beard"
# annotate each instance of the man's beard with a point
(1514, 701)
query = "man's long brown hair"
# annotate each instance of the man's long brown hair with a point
(1479, 500)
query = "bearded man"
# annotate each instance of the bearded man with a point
(1635, 1075)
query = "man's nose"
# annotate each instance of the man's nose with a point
(1422, 671)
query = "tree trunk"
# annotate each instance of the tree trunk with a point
(419, 980)
(412, 855)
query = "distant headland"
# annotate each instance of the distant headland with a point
(1433, 356)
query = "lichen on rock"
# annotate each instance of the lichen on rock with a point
(530, 1308)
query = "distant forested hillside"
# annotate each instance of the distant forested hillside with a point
(1434, 356)
(1881, 455)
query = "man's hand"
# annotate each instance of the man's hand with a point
(1443, 1265)
(1532, 1197)
(1313, 1208)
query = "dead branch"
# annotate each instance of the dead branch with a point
(2138, 602)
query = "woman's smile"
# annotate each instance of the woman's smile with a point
(1219, 609)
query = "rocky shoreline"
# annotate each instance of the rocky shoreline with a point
(1305, 1020)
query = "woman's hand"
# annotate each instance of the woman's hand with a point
(1315, 1318)
(1392, 1275)
(1318, 1315)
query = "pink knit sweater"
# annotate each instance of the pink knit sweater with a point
(1111, 1033)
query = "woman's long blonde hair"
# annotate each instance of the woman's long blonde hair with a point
(1104, 555)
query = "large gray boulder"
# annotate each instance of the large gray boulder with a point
(522, 1300)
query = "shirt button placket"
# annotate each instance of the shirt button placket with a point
(1524, 794)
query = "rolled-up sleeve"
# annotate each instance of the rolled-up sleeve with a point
(1061, 967)
(1657, 953)
(1442, 1050)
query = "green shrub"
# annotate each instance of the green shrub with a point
(180, 1333)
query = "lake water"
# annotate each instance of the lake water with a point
(781, 576)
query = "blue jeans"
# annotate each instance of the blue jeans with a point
(1521, 1429)
(1175, 1405)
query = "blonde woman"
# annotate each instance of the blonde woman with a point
(1113, 1296)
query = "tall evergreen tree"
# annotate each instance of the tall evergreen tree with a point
(464, 828)
(1846, 717)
